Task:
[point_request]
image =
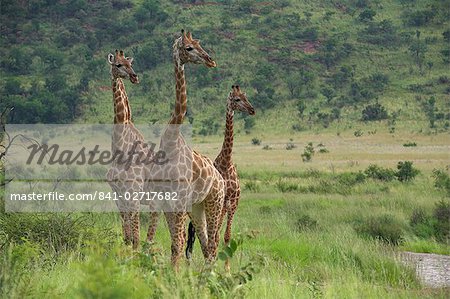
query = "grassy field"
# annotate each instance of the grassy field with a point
(318, 229)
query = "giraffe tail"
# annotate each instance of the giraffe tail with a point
(190, 241)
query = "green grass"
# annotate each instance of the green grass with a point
(329, 258)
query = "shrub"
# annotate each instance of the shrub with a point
(256, 141)
(290, 146)
(380, 33)
(441, 223)
(419, 17)
(441, 180)
(409, 144)
(308, 152)
(379, 173)
(297, 127)
(385, 228)
(358, 133)
(421, 223)
(367, 15)
(305, 222)
(406, 172)
(436, 225)
(348, 179)
(374, 112)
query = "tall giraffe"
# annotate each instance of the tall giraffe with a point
(206, 186)
(236, 101)
(126, 139)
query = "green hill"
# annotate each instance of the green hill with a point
(304, 64)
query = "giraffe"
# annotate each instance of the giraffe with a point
(205, 184)
(236, 101)
(126, 139)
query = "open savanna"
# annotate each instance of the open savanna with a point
(301, 229)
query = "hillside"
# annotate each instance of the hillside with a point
(304, 64)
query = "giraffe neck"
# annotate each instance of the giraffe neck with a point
(227, 146)
(180, 86)
(122, 111)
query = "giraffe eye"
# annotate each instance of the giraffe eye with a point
(237, 99)
(119, 65)
(189, 48)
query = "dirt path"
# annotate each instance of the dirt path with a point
(432, 269)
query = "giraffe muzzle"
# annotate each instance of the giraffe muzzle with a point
(209, 62)
(134, 78)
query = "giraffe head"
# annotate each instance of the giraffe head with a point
(237, 101)
(121, 67)
(186, 49)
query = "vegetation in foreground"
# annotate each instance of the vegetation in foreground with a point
(304, 234)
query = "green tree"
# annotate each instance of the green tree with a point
(418, 50)
(367, 15)
(301, 107)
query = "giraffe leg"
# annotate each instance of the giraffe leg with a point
(221, 219)
(227, 237)
(126, 227)
(176, 222)
(154, 218)
(135, 223)
(214, 206)
(122, 207)
(198, 218)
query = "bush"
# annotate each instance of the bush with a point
(379, 173)
(367, 15)
(256, 141)
(436, 225)
(385, 228)
(298, 127)
(441, 216)
(441, 180)
(290, 146)
(380, 33)
(358, 133)
(374, 112)
(409, 144)
(419, 18)
(308, 152)
(406, 172)
(421, 224)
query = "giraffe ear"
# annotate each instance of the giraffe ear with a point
(189, 35)
(130, 59)
(110, 58)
